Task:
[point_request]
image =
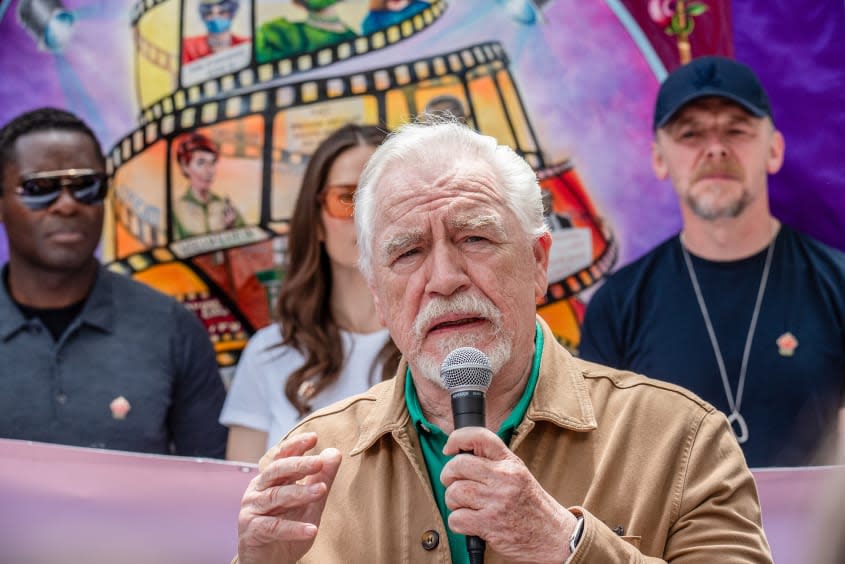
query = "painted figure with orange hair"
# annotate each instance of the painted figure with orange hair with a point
(199, 210)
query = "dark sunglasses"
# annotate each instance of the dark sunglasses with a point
(39, 190)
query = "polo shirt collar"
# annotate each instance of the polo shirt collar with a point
(11, 318)
(560, 397)
(99, 310)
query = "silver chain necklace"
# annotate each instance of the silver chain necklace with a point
(735, 417)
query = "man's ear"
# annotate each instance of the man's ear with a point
(777, 151)
(658, 164)
(377, 302)
(542, 248)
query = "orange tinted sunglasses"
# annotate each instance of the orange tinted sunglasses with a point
(338, 200)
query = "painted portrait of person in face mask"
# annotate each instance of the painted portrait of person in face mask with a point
(217, 15)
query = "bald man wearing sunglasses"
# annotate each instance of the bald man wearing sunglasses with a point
(90, 358)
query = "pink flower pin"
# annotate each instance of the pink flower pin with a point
(120, 406)
(787, 343)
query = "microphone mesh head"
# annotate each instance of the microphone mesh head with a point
(466, 367)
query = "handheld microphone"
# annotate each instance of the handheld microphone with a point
(466, 373)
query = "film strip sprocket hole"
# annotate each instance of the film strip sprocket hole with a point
(255, 74)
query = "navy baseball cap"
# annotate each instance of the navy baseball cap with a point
(710, 76)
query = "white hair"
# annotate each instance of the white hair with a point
(424, 146)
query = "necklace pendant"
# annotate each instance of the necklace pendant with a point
(736, 420)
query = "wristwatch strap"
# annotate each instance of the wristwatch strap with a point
(576, 534)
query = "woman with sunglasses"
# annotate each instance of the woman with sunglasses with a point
(328, 342)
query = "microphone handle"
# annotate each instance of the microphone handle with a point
(468, 410)
(475, 548)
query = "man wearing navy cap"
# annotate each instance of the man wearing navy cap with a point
(737, 307)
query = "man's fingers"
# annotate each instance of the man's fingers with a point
(465, 521)
(296, 445)
(464, 494)
(268, 529)
(467, 467)
(477, 440)
(287, 471)
(330, 461)
(279, 499)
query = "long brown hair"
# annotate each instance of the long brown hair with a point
(304, 312)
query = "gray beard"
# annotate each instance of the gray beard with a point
(708, 213)
(429, 367)
(428, 364)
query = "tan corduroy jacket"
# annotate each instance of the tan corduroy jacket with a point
(655, 470)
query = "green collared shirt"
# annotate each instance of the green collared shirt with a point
(433, 440)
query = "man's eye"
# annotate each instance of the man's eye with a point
(689, 134)
(408, 253)
(475, 239)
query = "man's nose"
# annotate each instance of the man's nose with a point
(65, 204)
(716, 147)
(447, 272)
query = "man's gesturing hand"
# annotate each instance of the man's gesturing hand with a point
(281, 508)
(494, 496)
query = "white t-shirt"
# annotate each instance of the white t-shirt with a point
(257, 397)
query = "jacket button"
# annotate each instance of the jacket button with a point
(430, 540)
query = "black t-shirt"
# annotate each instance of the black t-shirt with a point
(646, 319)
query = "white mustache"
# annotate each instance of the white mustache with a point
(475, 306)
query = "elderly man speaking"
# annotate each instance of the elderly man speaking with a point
(577, 462)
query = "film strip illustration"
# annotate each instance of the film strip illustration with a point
(256, 73)
(562, 178)
(141, 7)
(228, 329)
(475, 78)
(158, 57)
(488, 58)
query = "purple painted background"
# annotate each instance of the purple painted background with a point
(799, 52)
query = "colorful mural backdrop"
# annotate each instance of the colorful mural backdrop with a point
(209, 110)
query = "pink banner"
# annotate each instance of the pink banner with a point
(66, 504)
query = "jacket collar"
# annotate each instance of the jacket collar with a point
(561, 398)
